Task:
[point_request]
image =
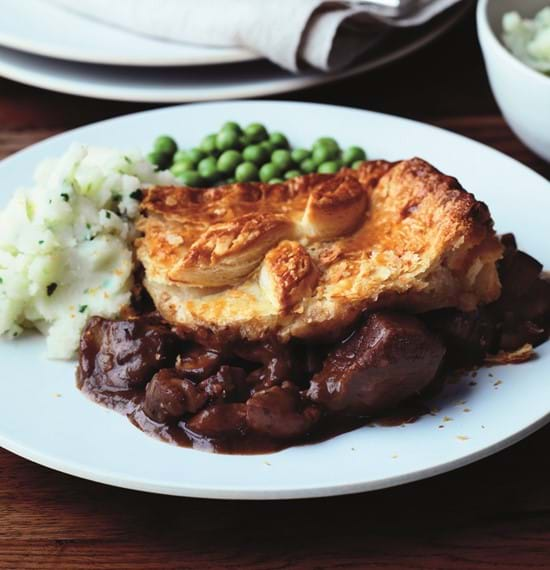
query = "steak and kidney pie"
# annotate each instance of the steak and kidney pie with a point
(285, 313)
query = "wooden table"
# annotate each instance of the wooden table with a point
(493, 514)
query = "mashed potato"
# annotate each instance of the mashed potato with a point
(529, 40)
(65, 244)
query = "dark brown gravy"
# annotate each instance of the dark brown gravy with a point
(130, 403)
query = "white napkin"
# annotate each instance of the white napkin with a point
(324, 34)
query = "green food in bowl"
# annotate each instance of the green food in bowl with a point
(529, 40)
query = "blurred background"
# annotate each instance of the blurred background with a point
(433, 72)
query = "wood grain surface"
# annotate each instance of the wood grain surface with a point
(493, 514)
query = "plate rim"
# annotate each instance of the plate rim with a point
(231, 493)
(219, 491)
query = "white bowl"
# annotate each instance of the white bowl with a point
(522, 93)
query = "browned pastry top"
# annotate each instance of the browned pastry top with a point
(305, 257)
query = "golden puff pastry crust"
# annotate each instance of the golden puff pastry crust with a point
(229, 251)
(304, 258)
(288, 275)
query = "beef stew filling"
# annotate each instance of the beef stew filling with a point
(265, 396)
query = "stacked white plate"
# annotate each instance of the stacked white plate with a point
(45, 46)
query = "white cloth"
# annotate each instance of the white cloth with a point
(325, 34)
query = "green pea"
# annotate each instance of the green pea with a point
(268, 146)
(256, 153)
(245, 141)
(282, 159)
(226, 140)
(300, 154)
(269, 171)
(256, 132)
(246, 172)
(229, 160)
(160, 159)
(357, 164)
(322, 154)
(353, 154)
(329, 143)
(182, 166)
(208, 168)
(166, 144)
(195, 155)
(232, 126)
(292, 174)
(181, 155)
(329, 167)
(191, 178)
(208, 144)
(276, 181)
(278, 140)
(308, 165)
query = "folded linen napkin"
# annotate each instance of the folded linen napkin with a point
(325, 34)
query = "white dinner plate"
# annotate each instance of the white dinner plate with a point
(178, 85)
(43, 416)
(41, 28)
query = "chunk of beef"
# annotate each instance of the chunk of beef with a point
(520, 316)
(168, 397)
(228, 384)
(517, 271)
(198, 363)
(280, 413)
(119, 355)
(307, 359)
(515, 334)
(313, 359)
(275, 359)
(523, 309)
(387, 360)
(219, 420)
(467, 336)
